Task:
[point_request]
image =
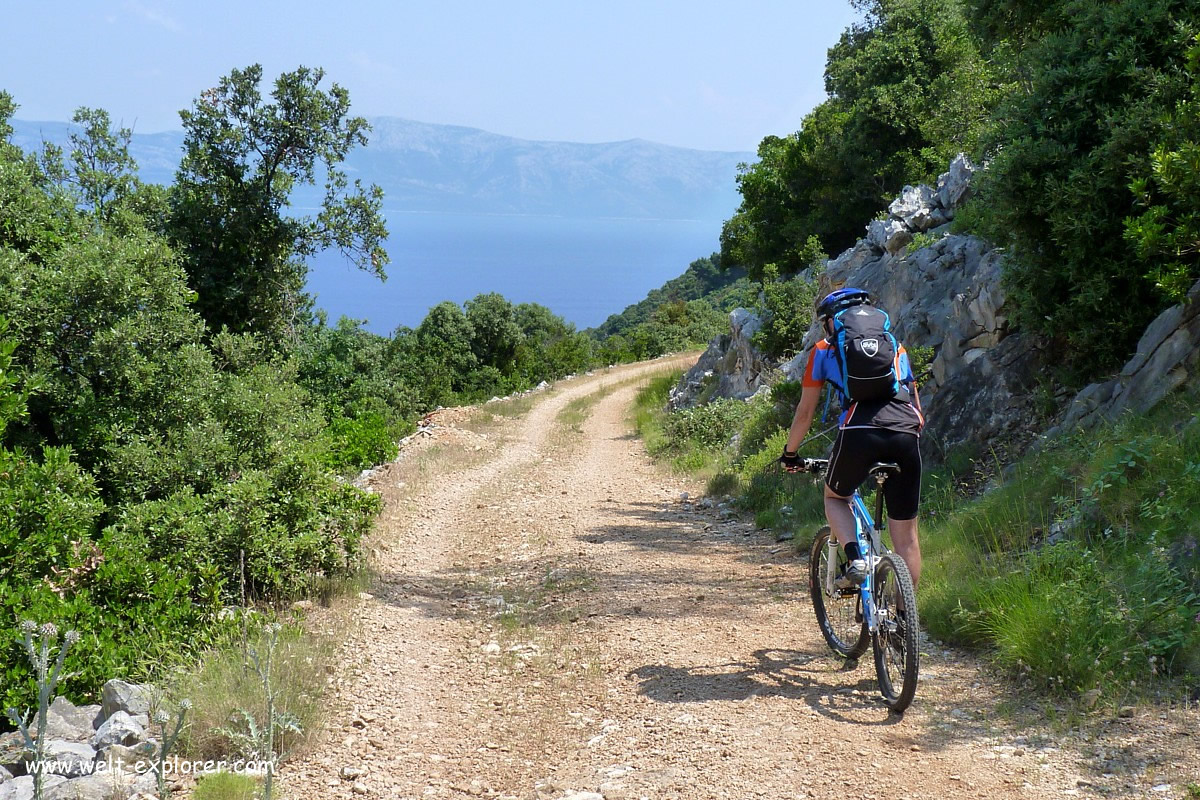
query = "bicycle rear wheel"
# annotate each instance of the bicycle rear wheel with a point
(838, 613)
(897, 654)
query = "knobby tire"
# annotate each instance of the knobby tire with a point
(836, 613)
(897, 653)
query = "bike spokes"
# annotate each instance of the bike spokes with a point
(839, 613)
(897, 658)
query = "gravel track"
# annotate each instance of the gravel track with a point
(550, 621)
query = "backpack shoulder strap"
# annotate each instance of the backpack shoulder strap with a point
(839, 347)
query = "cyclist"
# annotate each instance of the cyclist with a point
(870, 431)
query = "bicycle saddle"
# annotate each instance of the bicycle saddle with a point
(888, 468)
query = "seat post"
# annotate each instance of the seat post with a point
(880, 473)
(880, 477)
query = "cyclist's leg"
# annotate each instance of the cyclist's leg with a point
(904, 538)
(903, 493)
(839, 516)
(848, 464)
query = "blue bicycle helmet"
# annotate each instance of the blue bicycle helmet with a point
(841, 299)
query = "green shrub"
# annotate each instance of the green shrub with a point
(710, 426)
(358, 443)
(723, 483)
(922, 240)
(789, 308)
(290, 528)
(354, 371)
(132, 608)
(484, 383)
(787, 393)
(765, 419)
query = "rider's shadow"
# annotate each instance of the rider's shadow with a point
(791, 674)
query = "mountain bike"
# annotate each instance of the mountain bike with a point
(882, 611)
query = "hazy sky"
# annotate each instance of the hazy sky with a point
(709, 75)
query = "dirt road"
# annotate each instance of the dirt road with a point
(551, 620)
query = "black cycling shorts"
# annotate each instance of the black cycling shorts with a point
(856, 449)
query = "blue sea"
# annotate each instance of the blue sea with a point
(582, 269)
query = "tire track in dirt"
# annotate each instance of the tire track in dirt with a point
(554, 622)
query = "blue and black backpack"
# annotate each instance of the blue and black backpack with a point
(866, 352)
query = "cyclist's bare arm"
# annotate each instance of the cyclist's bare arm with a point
(810, 396)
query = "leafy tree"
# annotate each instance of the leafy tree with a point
(444, 338)
(550, 346)
(100, 172)
(422, 371)
(907, 91)
(8, 107)
(98, 176)
(35, 218)
(918, 91)
(243, 157)
(140, 458)
(106, 322)
(495, 335)
(787, 196)
(1087, 113)
(1166, 234)
(539, 324)
(103, 168)
(566, 355)
(613, 350)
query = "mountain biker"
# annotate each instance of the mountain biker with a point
(879, 430)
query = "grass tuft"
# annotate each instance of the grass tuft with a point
(226, 786)
(223, 684)
(1083, 569)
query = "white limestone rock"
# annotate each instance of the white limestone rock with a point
(131, 698)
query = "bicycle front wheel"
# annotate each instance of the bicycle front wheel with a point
(839, 612)
(897, 654)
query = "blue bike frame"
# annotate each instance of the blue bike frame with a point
(870, 544)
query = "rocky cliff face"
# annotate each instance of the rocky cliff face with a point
(945, 295)
(731, 366)
(1167, 357)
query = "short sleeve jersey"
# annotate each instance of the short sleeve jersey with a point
(900, 413)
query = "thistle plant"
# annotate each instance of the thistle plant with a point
(48, 674)
(169, 738)
(257, 742)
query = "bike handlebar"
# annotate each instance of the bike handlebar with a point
(813, 465)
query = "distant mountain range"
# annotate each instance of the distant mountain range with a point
(424, 167)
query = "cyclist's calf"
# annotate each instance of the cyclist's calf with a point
(839, 515)
(904, 537)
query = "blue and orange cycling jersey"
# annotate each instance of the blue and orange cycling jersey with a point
(902, 413)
